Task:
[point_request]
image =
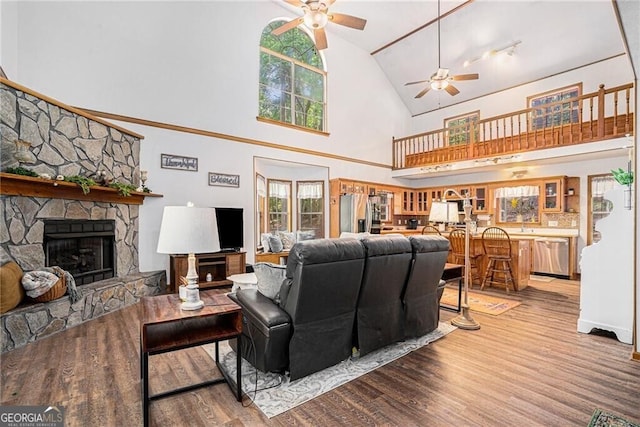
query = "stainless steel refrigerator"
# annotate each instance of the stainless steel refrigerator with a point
(355, 213)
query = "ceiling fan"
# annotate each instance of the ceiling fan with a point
(441, 78)
(316, 16)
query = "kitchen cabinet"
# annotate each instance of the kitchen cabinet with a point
(571, 194)
(397, 203)
(435, 195)
(479, 203)
(552, 195)
(408, 202)
(422, 202)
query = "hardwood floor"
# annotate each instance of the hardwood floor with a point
(527, 366)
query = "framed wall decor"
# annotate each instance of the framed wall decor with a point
(183, 163)
(224, 180)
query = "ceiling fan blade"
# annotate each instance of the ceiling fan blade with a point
(321, 38)
(348, 20)
(422, 92)
(451, 90)
(415, 83)
(288, 26)
(296, 3)
(465, 77)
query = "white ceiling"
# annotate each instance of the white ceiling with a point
(555, 36)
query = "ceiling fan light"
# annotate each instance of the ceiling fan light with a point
(439, 84)
(315, 19)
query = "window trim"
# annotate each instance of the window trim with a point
(294, 62)
(322, 213)
(475, 113)
(289, 203)
(560, 90)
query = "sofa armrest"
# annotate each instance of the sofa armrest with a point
(259, 310)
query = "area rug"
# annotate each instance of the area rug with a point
(479, 302)
(601, 418)
(276, 394)
(538, 278)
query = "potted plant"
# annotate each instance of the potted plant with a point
(624, 177)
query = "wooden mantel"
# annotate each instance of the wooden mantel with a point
(19, 185)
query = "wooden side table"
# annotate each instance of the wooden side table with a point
(165, 327)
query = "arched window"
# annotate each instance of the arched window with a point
(292, 79)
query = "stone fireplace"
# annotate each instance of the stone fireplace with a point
(43, 223)
(84, 248)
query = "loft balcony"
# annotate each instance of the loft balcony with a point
(596, 116)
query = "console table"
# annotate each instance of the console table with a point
(219, 264)
(165, 327)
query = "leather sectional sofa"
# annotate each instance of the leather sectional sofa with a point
(344, 293)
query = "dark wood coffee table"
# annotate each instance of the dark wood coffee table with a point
(452, 273)
(165, 327)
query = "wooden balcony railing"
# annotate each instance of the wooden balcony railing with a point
(604, 114)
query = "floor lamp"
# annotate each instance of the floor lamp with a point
(189, 230)
(464, 320)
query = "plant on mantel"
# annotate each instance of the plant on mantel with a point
(84, 182)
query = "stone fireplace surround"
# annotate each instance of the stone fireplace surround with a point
(66, 141)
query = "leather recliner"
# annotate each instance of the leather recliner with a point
(421, 298)
(380, 313)
(312, 328)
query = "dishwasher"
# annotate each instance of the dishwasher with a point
(551, 256)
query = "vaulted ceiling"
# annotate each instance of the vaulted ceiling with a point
(549, 37)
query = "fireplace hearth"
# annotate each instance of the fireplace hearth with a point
(84, 248)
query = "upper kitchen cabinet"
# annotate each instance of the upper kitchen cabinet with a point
(408, 202)
(479, 202)
(552, 194)
(422, 202)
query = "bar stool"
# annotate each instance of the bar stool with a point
(497, 247)
(456, 238)
(430, 229)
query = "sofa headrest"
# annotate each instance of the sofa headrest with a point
(429, 243)
(375, 246)
(320, 251)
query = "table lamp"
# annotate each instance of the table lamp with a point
(189, 230)
(443, 212)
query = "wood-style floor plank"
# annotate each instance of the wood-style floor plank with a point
(527, 366)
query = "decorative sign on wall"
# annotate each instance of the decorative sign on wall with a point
(224, 180)
(171, 161)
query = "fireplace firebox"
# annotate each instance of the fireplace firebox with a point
(84, 248)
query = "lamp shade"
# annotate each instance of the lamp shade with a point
(452, 212)
(438, 212)
(188, 230)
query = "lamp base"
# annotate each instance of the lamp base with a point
(188, 305)
(465, 321)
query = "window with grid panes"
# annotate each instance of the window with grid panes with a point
(556, 108)
(311, 207)
(292, 79)
(459, 128)
(279, 205)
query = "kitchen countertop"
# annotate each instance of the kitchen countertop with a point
(515, 232)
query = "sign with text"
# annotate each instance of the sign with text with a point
(224, 180)
(171, 161)
(32, 416)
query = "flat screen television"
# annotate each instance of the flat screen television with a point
(230, 228)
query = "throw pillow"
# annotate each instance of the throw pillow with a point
(264, 239)
(270, 277)
(11, 290)
(306, 235)
(275, 243)
(288, 240)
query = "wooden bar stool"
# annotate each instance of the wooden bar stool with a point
(456, 238)
(497, 247)
(430, 229)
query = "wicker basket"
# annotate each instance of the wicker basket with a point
(55, 292)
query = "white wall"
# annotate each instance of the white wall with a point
(195, 64)
(8, 37)
(611, 73)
